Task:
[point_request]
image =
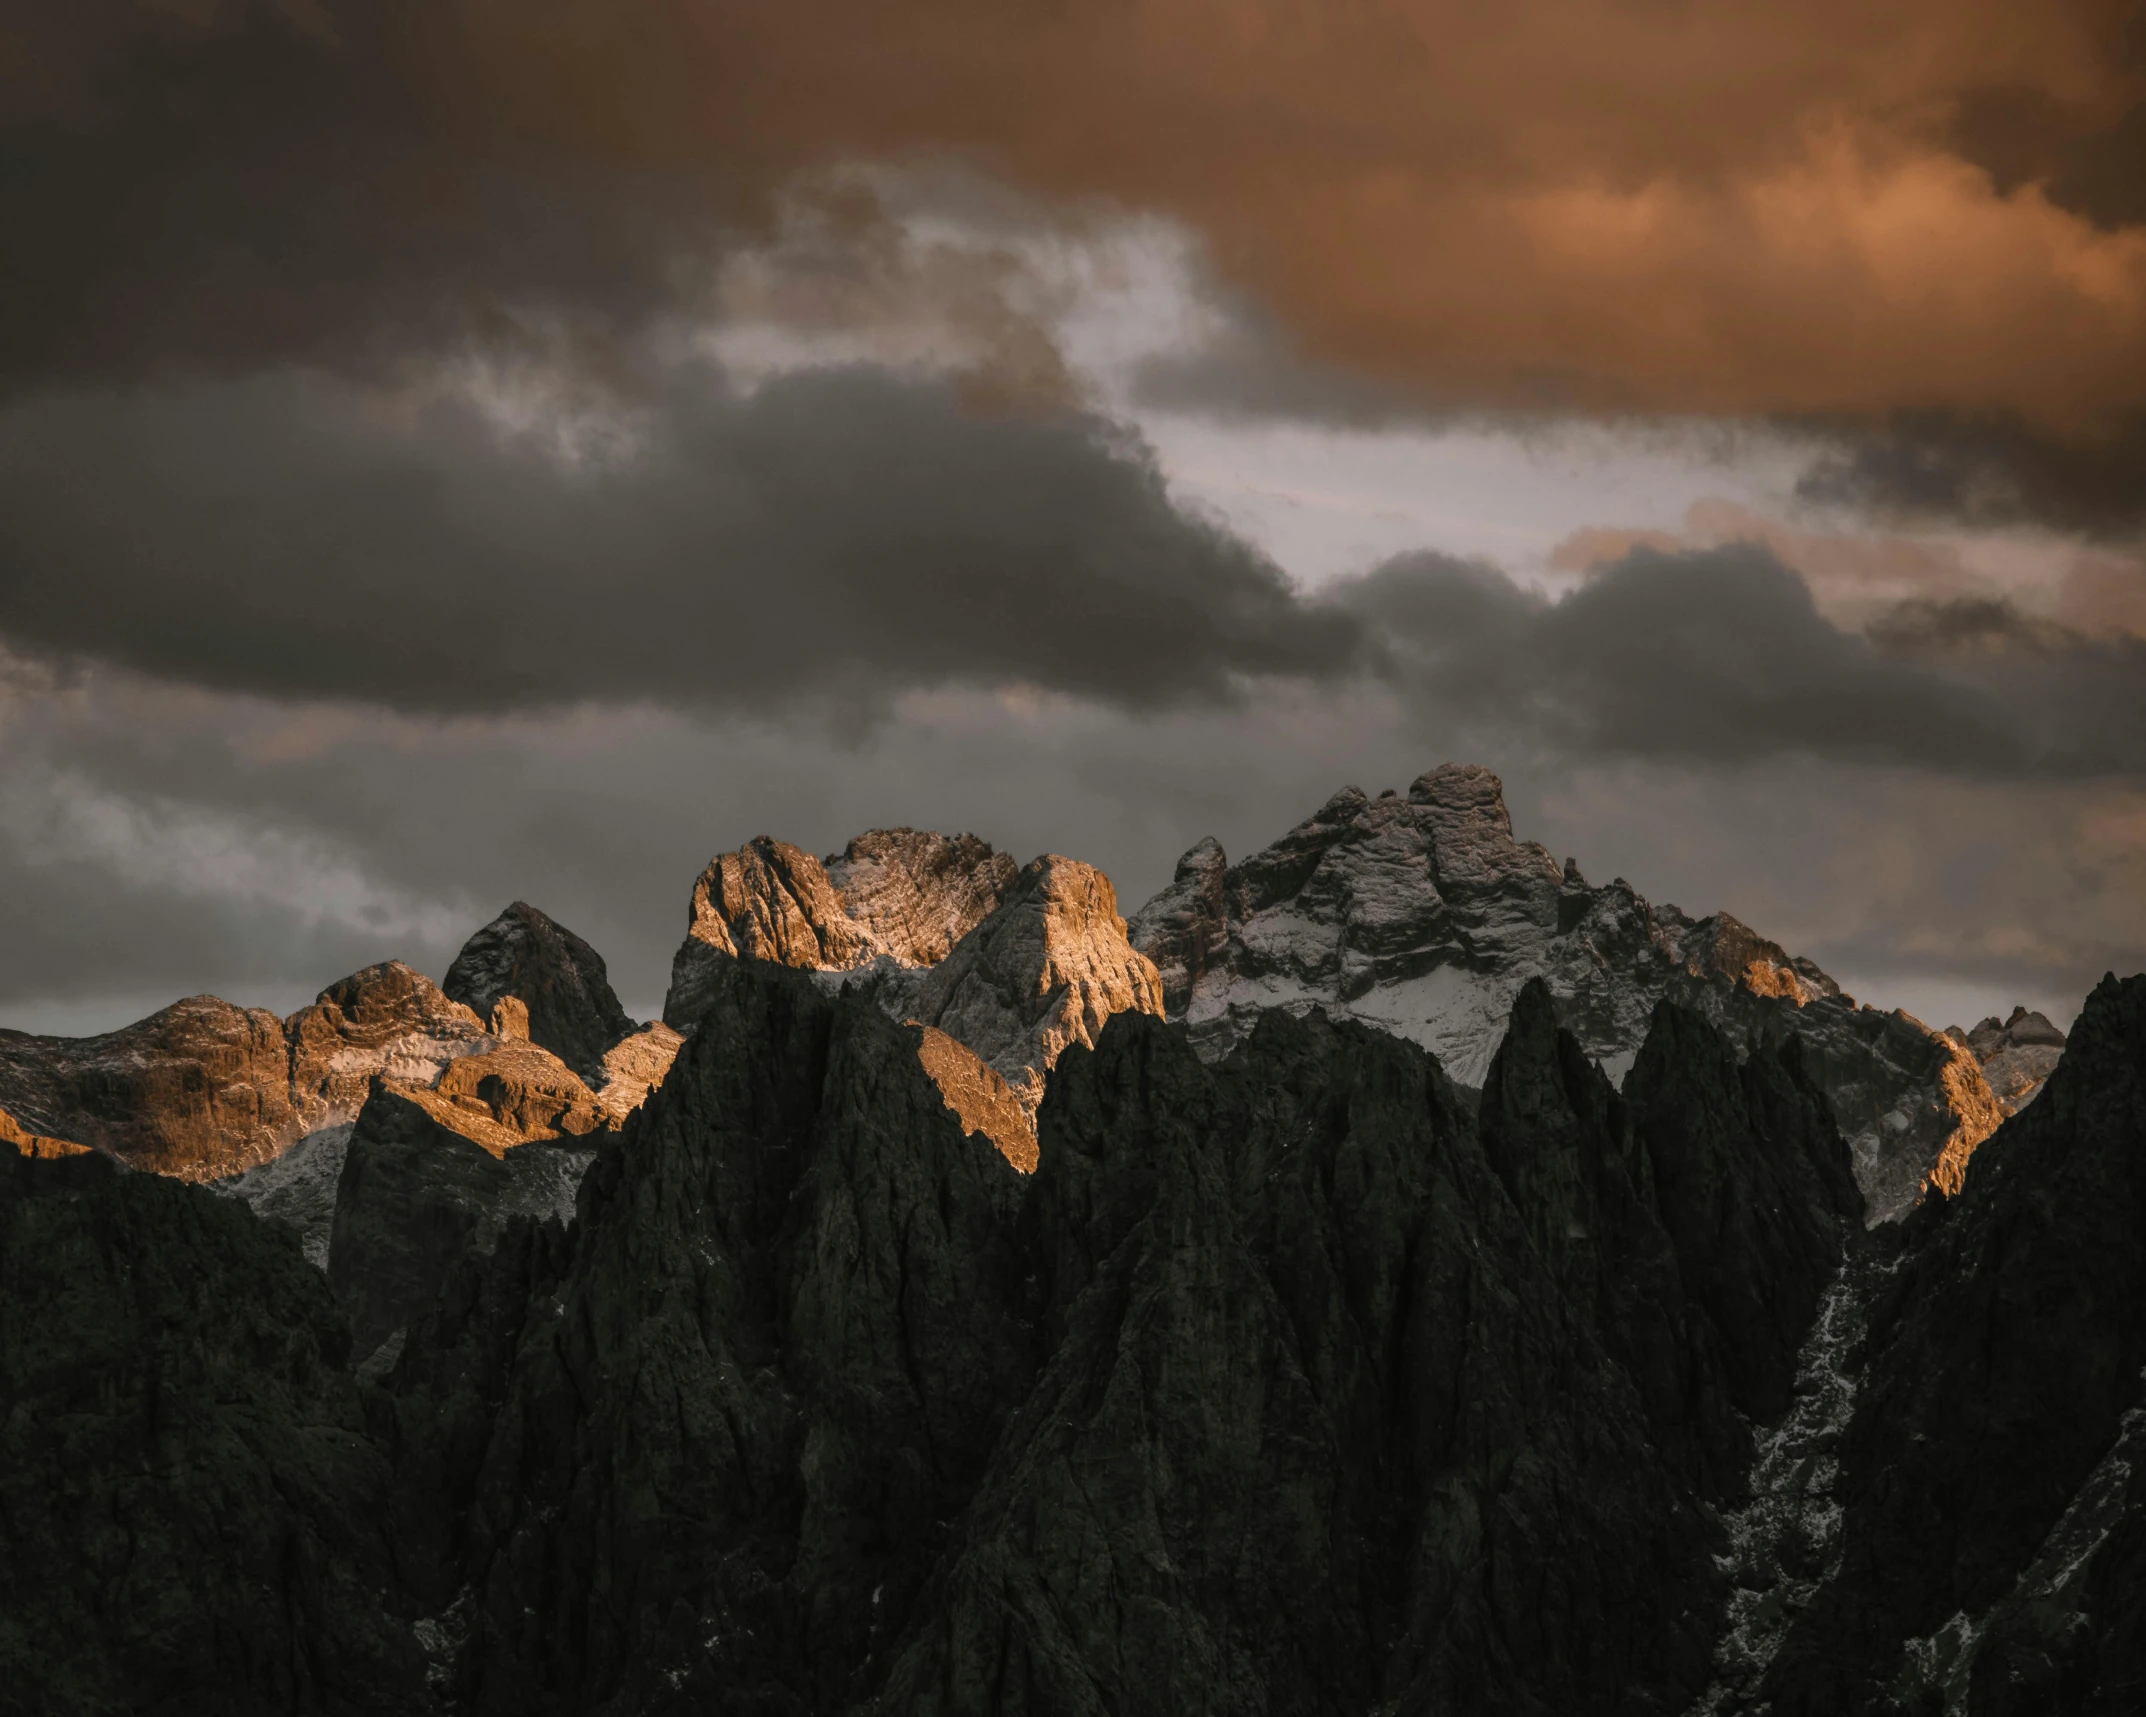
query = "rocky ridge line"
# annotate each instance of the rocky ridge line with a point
(1005, 966)
(1423, 915)
(2017, 1055)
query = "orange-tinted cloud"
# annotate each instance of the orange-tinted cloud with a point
(1652, 205)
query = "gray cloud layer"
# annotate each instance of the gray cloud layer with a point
(1720, 655)
(839, 538)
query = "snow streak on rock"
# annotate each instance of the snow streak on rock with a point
(1423, 915)
(1786, 1542)
(298, 1188)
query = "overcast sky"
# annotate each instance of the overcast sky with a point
(453, 453)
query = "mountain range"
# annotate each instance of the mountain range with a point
(1385, 1273)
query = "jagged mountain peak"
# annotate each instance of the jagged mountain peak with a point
(1009, 963)
(1425, 915)
(916, 892)
(902, 897)
(2017, 1054)
(1045, 970)
(560, 981)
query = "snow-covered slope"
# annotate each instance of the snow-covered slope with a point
(1422, 914)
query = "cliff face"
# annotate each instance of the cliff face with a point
(422, 1186)
(1423, 915)
(1226, 1408)
(893, 898)
(1294, 1380)
(811, 1274)
(1993, 1522)
(193, 1516)
(2016, 1055)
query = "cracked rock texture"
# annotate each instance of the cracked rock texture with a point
(1421, 914)
(1011, 964)
(893, 898)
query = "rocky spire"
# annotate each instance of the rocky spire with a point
(560, 981)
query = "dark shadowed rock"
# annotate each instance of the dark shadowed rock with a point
(1187, 924)
(192, 1515)
(809, 1271)
(424, 1184)
(2003, 1355)
(557, 977)
(1230, 1408)
(1308, 1382)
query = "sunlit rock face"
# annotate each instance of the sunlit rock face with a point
(1422, 914)
(265, 1109)
(1009, 964)
(893, 898)
(2017, 1055)
(202, 1089)
(29, 1144)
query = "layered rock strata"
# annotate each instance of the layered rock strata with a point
(1422, 914)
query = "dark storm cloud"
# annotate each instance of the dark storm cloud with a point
(836, 539)
(1720, 655)
(1992, 470)
(839, 536)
